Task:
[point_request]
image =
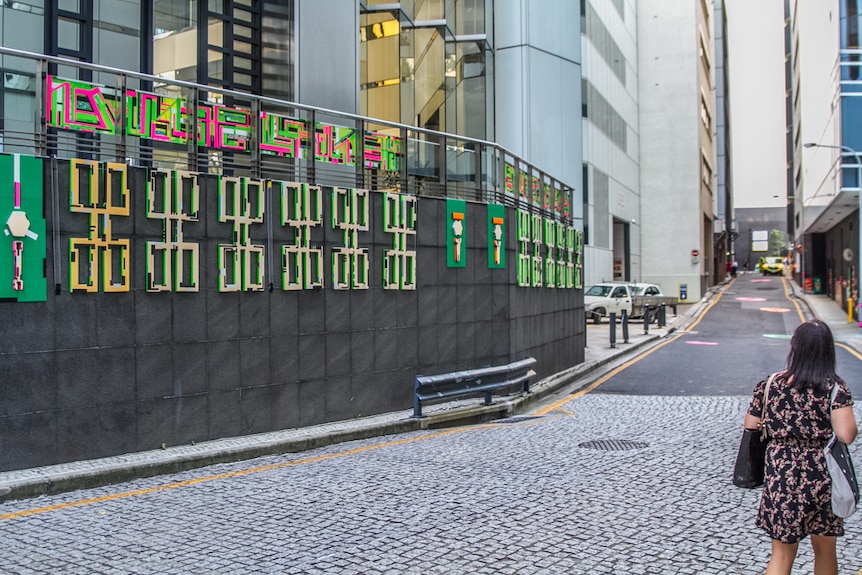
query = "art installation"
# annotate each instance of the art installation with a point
(22, 244)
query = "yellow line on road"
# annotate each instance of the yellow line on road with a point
(239, 473)
(785, 284)
(857, 355)
(558, 404)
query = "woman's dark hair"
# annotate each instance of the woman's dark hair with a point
(811, 360)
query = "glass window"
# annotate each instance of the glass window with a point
(175, 39)
(69, 34)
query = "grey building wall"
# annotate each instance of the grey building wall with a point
(538, 86)
(749, 220)
(86, 375)
(327, 54)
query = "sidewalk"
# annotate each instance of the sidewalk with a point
(829, 311)
(96, 472)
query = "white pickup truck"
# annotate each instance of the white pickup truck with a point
(605, 298)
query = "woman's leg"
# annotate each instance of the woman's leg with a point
(782, 558)
(825, 558)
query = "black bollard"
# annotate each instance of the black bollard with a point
(625, 321)
(613, 332)
(662, 315)
(646, 319)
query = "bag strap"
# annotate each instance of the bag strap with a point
(832, 396)
(763, 410)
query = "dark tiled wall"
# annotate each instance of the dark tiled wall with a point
(88, 375)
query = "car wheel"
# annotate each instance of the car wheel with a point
(597, 315)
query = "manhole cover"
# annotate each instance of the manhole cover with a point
(613, 444)
(517, 419)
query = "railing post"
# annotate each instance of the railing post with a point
(254, 144)
(613, 329)
(121, 122)
(417, 405)
(41, 98)
(646, 319)
(624, 319)
(405, 176)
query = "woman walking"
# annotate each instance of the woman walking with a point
(796, 498)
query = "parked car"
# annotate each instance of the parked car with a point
(603, 299)
(772, 266)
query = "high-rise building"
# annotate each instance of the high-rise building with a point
(656, 153)
(613, 225)
(678, 160)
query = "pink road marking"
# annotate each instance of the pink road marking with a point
(17, 195)
(701, 343)
(751, 299)
(761, 281)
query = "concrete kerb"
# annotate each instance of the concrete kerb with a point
(22, 484)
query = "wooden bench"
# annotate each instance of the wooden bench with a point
(485, 381)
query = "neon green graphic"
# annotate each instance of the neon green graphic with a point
(525, 241)
(550, 241)
(302, 210)
(456, 248)
(536, 229)
(349, 261)
(100, 190)
(399, 263)
(496, 236)
(173, 264)
(241, 263)
(22, 244)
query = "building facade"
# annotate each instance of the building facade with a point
(656, 144)
(826, 54)
(207, 237)
(611, 180)
(678, 148)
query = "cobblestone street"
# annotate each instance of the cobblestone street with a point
(504, 498)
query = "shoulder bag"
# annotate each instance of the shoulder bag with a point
(751, 458)
(845, 488)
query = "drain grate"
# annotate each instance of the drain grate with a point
(517, 419)
(613, 444)
(766, 288)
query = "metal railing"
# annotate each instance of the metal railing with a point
(56, 107)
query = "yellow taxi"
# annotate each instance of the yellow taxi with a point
(772, 266)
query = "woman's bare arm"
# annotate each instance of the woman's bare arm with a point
(844, 424)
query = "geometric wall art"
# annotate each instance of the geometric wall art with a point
(101, 191)
(173, 264)
(496, 236)
(456, 250)
(22, 243)
(399, 262)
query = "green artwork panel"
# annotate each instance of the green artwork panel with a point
(456, 234)
(496, 236)
(22, 244)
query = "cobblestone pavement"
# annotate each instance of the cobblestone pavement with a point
(519, 497)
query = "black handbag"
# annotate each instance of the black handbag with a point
(751, 458)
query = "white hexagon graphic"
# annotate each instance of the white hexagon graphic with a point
(18, 224)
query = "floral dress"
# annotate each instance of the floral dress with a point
(797, 492)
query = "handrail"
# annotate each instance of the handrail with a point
(484, 177)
